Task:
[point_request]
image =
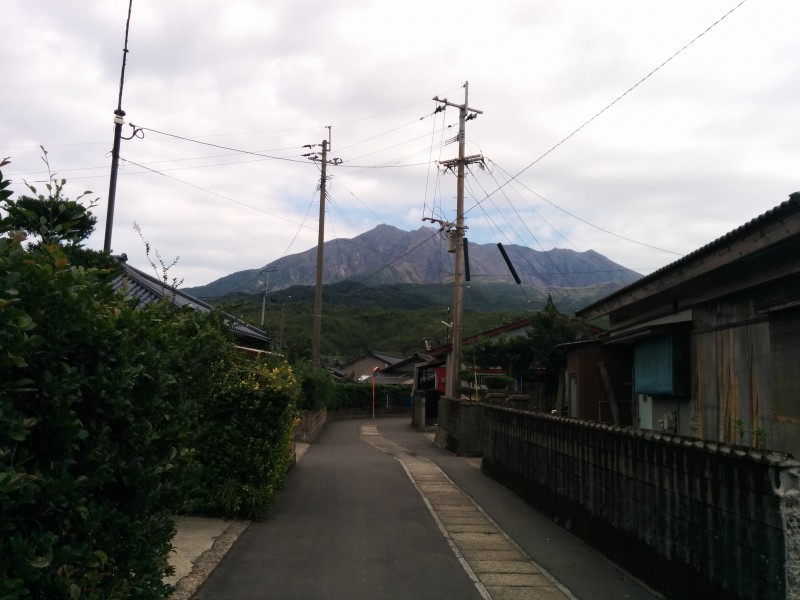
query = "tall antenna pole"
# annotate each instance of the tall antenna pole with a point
(118, 121)
(457, 240)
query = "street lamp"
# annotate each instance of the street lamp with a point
(374, 370)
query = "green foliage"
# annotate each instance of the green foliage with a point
(499, 383)
(348, 333)
(316, 385)
(514, 354)
(90, 433)
(52, 217)
(245, 437)
(535, 356)
(549, 329)
(359, 396)
(96, 409)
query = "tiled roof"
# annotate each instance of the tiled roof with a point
(389, 359)
(147, 289)
(785, 208)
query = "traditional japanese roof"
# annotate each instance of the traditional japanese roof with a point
(754, 226)
(148, 289)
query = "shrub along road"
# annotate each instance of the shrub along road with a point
(374, 510)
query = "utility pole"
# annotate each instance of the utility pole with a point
(263, 304)
(119, 115)
(283, 321)
(316, 338)
(457, 239)
(264, 286)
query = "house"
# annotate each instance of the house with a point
(147, 289)
(361, 368)
(604, 393)
(707, 346)
(401, 372)
(441, 354)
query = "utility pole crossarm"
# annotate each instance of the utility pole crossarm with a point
(468, 160)
(446, 102)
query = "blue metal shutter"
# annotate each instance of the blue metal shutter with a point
(652, 364)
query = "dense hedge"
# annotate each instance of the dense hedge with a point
(316, 386)
(359, 396)
(245, 437)
(114, 417)
(93, 422)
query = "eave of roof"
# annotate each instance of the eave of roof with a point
(781, 211)
(147, 289)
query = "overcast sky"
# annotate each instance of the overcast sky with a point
(706, 143)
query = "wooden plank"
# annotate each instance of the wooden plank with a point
(609, 389)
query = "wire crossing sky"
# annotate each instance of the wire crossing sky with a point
(691, 130)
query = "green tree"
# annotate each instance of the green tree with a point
(52, 217)
(549, 330)
(96, 398)
(537, 356)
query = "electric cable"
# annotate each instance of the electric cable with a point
(406, 253)
(278, 262)
(620, 97)
(250, 152)
(538, 243)
(574, 216)
(202, 189)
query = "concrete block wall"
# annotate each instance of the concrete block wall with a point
(418, 411)
(724, 519)
(460, 427)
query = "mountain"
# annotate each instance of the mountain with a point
(388, 255)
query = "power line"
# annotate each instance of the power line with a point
(239, 150)
(618, 98)
(574, 216)
(202, 189)
(406, 253)
(535, 239)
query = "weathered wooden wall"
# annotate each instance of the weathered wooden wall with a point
(721, 519)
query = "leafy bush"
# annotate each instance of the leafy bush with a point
(245, 437)
(112, 415)
(316, 385)
(52, 217)
(95, 408)
(359, 396)
(91, 428)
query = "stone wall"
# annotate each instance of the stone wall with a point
(693, 518)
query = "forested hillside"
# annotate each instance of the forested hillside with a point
(390, 318)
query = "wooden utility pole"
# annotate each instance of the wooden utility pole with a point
(283, 321)
(457, 239)
(263, 304)
(315, 342)
(316, 338)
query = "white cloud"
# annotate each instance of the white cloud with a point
(703, 145)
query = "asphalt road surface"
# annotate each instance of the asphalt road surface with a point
(375, 511)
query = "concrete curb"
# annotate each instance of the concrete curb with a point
(201, 543)
(204, 564)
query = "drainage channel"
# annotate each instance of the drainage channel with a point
(498, 567)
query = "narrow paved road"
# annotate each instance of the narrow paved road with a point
(375, 511)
